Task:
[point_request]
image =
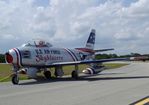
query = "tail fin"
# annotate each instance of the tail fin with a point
(89, 48)
(91, 40)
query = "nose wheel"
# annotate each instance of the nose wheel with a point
(15, 79)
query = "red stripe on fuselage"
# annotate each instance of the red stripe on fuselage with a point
(17, 56)
(86, 50)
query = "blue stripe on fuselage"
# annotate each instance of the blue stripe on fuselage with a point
(73, 54)
(70, 54)
(20, 56)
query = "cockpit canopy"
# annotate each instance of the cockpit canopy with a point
(37, 43)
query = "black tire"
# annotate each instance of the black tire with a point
(15, 79)
(47, 74)
(74, 74)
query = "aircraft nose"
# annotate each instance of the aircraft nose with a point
(11, 56)
(8, 57)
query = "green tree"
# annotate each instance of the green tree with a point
(2, 58)
(105, 56)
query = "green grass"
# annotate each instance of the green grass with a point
(5, 73)
(5, 70)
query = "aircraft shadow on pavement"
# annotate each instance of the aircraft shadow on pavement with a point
(83, 78)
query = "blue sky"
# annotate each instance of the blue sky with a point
(120, 24)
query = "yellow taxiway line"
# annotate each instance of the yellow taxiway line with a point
(144, 101)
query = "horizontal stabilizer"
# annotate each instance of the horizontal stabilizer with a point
(102, 50)
(93, 51)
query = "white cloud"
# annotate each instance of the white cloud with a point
(9, 37)
(67, 23)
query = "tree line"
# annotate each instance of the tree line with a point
(2, 58)
(106, 56)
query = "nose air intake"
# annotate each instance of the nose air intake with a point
(8, 58)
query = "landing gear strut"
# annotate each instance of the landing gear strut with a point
(15, 77)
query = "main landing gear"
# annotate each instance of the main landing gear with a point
(47, 74)
(74, 73)
(59, 72)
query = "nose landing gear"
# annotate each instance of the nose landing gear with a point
(15, 76)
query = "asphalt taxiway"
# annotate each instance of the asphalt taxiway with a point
(121, 86)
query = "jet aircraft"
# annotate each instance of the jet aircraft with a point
(39, 55)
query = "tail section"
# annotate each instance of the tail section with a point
(89, 48)
(91, 40)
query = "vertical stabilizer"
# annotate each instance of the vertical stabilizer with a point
(91, 40)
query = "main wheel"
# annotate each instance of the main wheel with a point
(74, 74)
(47, 74)
(15, 79)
